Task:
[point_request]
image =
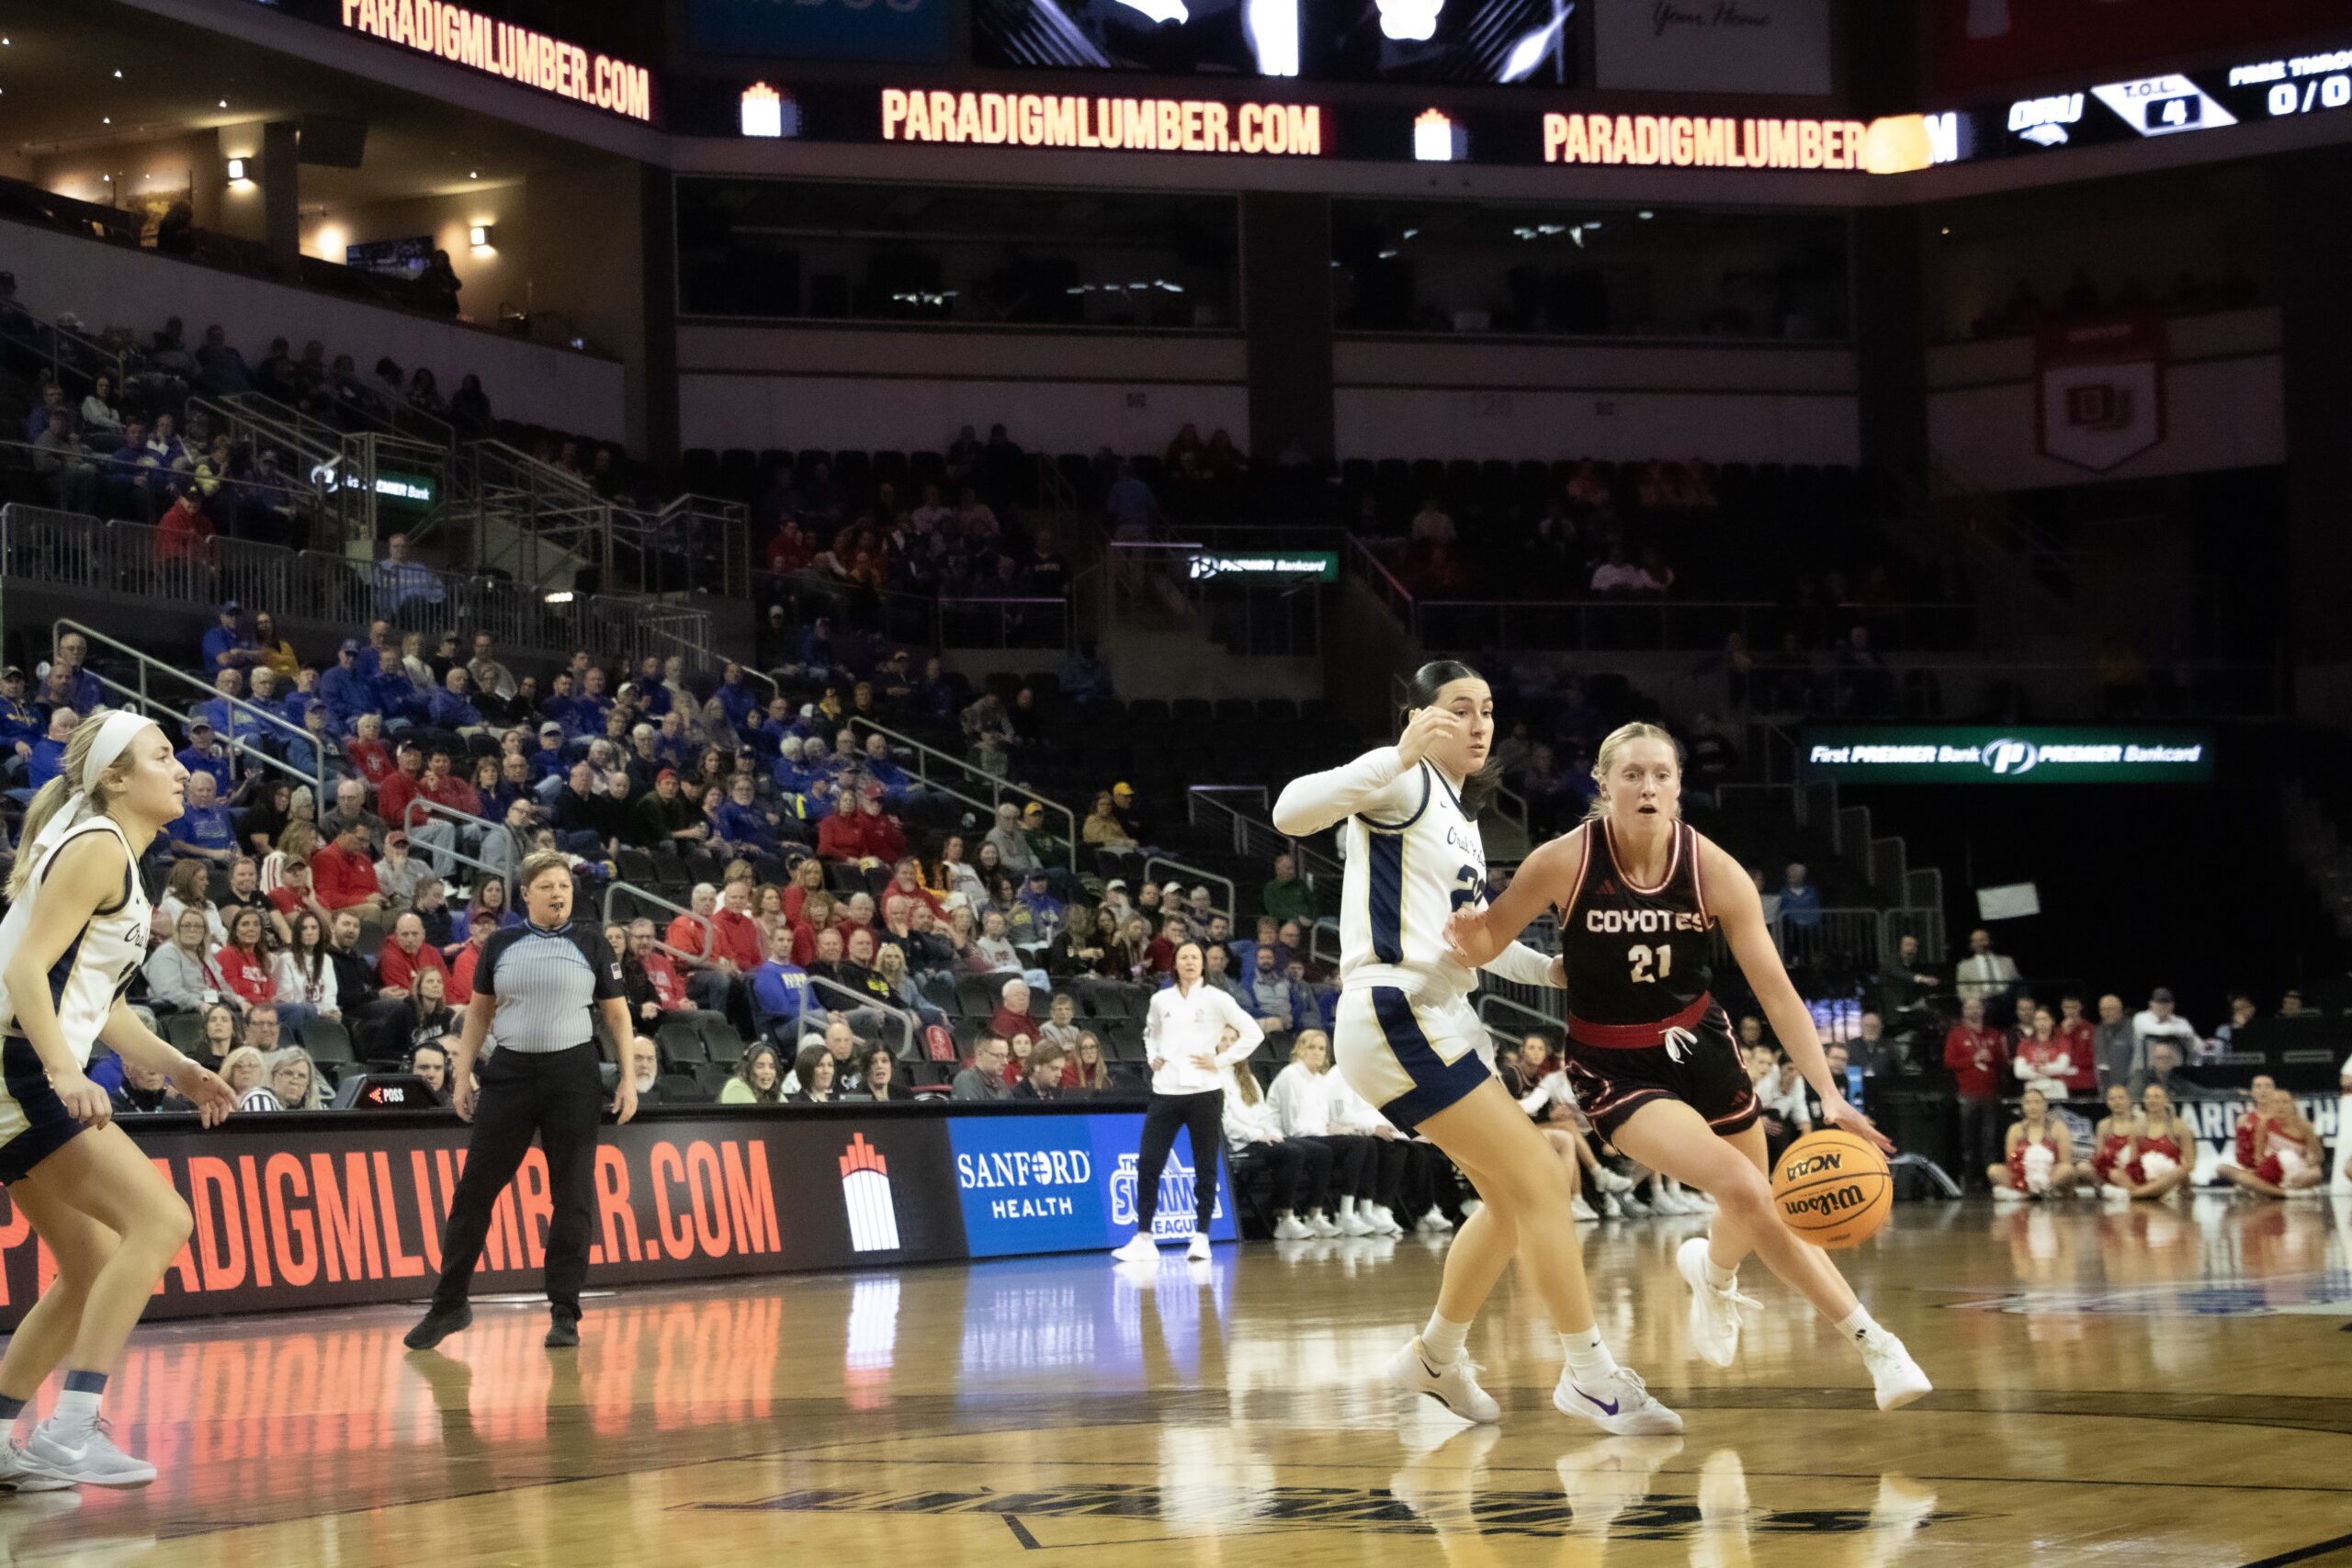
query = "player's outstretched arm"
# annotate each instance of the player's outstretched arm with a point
(1547, 877)
(1309, 804)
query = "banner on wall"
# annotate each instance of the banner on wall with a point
(345, 1209)
(2100, 391)
(1713, 46)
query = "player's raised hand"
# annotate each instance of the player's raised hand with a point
(1430, 727)
(1470, 937)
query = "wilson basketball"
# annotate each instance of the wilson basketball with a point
(1833, 1189)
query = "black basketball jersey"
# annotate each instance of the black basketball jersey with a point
(1637, 954)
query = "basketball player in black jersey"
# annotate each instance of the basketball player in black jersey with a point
(1649, 1051)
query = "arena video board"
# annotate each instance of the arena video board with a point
(1457, 42)
(2250, 91)
(1988, 754)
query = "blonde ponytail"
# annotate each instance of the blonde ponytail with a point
(1616, 740)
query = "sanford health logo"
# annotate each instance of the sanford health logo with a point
(1027, 1184)
(1177, 1197)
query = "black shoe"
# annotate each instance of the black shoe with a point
(437, 1325)
(563, 1333)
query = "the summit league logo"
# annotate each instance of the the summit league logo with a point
(865, 1193)
(1177, 1197)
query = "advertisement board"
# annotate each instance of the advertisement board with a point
(1068, 1184)
(903, 31)
(1722, 46)
(341, 1209)
(1988, 754)
(491, 46)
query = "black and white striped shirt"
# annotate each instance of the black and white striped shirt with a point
(544, 985)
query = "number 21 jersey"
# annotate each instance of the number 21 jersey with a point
(1409, 867)
(1637, 954)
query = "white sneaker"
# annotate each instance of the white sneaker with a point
(1137, 1248)
(1677, 1201)
(1435, 1222)
(1619, 1405)
(1198, 1252)
(1898, 1377)
(1455, 1385)
(1633, 1206)
(1608, 1180)
(95, 1461)
(1471, 1204)
(18, 1473)
(1319, 1223)
(1290, 1227)
(1611, 1206)
(1354, 1223)
(1714, 1313)
(1385, 1222)
(2007, 1195)
(1583, 1211)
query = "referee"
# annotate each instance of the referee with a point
(539, 989)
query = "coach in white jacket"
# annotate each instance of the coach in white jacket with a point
(1185, 1037)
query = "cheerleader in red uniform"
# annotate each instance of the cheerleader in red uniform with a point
(2115, 1134)
(2164, 1154)
(2041, 1155)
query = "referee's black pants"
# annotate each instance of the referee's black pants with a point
(559, 1097)
(1203, 1115)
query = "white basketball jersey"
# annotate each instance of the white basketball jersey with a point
(92, 972)
(1406, 874)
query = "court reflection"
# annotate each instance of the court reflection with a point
(1616, 1492)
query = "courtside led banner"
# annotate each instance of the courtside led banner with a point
(1133, 124)
(1966, 754)
(1684, 141)
(348, 1207)
(500, 49)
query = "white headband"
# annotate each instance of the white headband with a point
(115, 732)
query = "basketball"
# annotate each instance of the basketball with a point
(1833, 1189)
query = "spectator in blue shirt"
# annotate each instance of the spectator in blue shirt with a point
(20, 722)
(451, 709)
(782, 1001)
(397, 697)
(896, 783)
(549, 762)
(741, 822)
(593, 707)
(230, 721)
(1046, 913)
(82, 692)
(791, 776)
(348, 689)
(563, 709)
(1800, 901)
(48, 757)
(205, 755)
(401, 581)
(736, 695)
(652, 692)
(817, 656)
(204, 827)
(315, 751)
(935, 695)
(228, 646)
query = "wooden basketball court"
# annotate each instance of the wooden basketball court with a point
(2165, 1386)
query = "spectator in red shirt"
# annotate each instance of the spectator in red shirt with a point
(243, 966)
(444, 785)
(908, 882)
(365, 750)
(864, 836)
(1162, 952)
(2081, 1040)
(404, 785)
(292, 894)
(1011, 1015)
(1977, 1057)
(735, 934)
(692, 934)
(344, 877)
(407, 954)
(185, 530)
(654, 985)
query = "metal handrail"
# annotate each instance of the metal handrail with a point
(1200, 873)
(1254, 837)
(614, 888)
(1487, 998)
(420, 810)
(147, 701)
(861, 1003)
(996, 782)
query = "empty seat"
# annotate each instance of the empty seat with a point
(680, 1042)
(328, 1042)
